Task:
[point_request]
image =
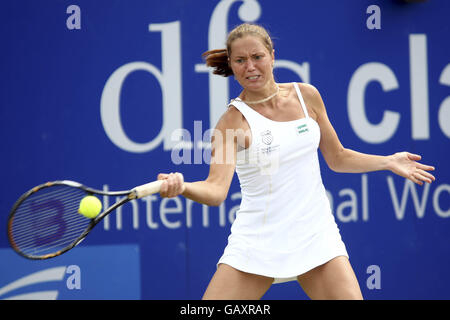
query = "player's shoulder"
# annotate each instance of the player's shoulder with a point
(308, 90)
(232, 118)
(312, 96)
(232, 113)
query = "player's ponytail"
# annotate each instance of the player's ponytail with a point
(218, 60)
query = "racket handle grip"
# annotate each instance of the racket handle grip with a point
(148, 189)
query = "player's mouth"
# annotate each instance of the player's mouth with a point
(253, 77)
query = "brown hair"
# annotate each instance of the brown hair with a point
(218, 58)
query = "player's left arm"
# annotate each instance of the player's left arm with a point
(341, 159)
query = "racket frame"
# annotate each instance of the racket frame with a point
(138, 192)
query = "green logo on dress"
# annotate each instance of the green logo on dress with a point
(302, 128)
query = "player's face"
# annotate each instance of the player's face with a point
(251, 62)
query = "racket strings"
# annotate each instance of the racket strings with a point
(48, 221)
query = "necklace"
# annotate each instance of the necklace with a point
(263, 100)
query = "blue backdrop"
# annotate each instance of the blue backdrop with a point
(100, 91)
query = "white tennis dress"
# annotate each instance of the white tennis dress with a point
(284, 226)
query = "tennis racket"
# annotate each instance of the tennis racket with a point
(44, 222)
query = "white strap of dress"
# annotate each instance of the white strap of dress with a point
(300, 97)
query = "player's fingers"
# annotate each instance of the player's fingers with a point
(166, 186)
(180, 181)
(425, 167)
(179, 178)
(424, 176)
(173, 185)
(414, 179)
(418, 178)
(166, 189)
(162, 176)
(413, 156)
(163, 189)
(428, 175)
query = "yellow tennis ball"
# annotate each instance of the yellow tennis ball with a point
(90, 207)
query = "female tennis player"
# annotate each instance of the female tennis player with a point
(284, 229)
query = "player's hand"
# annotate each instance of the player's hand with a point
(173, 184)
(405, 164)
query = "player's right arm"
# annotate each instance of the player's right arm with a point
(214, 189)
